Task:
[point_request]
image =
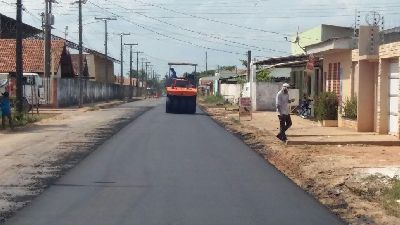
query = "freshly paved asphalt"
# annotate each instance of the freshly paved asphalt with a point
(174, 170)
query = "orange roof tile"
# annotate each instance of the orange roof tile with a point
(33, 55)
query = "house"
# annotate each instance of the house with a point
(33, 57)
(97, 68)
(126, 81)
(366, 68)
(75, 64)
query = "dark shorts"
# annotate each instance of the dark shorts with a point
(6, 113)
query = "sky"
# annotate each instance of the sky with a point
(184, 30)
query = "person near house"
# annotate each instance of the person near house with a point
(282, 108)
(6, 110)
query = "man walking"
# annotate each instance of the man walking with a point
(282, 108)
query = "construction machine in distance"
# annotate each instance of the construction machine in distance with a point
(181, 91)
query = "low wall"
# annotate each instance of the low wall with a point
(347, 123)
(92, 91)
(264, 94)
(231, 92)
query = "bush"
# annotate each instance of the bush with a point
(390, 198)
(326, 106)
(24, 119)
(350, 108)
(264, 75)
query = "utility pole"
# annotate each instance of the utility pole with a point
(206, 63)
(130, 69)
(122, 57)
(48, 22)
(137, 67)
(80, 64)
(18, 57)
(145, 87)
(248, 64)
(142, 71)
(66, 32)
(105, 19)
(47, 38)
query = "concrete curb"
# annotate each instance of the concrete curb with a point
(376, 143)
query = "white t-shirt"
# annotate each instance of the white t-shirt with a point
(282, 101)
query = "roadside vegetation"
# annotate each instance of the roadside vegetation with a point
(214, 100)
(391, 199)
(326, 106)
(26, 119)
(350, 108)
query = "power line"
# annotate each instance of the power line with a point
(205, 34)
(164, 35)
(212, 20)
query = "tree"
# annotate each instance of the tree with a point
(244, 62)
(228, 68)
(264, 75)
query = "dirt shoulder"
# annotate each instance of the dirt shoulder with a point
(33, 157)
(345, 178)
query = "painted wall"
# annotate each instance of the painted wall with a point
(366, 96)
(329, 31)
(368, 41)
(231, 92)
(318, 34)
(388, 53)
(96, 68)
(308, 37)
(265, 96)
(344, 58)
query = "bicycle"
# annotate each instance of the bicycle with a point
(305, 110)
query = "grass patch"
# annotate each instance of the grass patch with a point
(25, 119)
(214, 100)
(234, 120)
(94, 108)
(391, 199)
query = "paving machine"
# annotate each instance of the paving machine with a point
(181, 91)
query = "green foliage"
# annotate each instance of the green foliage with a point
(350, 108)
(214, 99)
(24, 119)
(390, 198)
(228, 68)
(264, 75)
(326, 106)
(244, 62)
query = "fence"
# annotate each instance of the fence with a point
(67, 93)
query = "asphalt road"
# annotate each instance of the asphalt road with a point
(174, 170)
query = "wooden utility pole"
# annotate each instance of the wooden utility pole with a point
(122, 57)
(105, 19)
(248, 64)
(80, 64)
(18, 56)
(206, 63)
(137, 68)
(130, 70)
(145, 86)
